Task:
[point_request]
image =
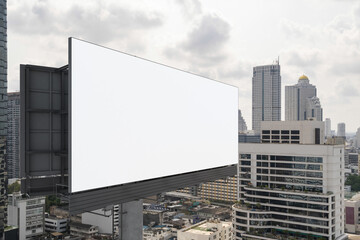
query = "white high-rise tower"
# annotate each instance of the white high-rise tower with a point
(301, 102)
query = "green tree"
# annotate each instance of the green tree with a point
(353, 181)
(15, 187)
(51, 201)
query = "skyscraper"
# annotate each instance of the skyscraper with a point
(3, 113)
(328, 127)
(266, 94)
(13, 156)
(242, 123)
(341, 130)
(358, 138)
(301, 102)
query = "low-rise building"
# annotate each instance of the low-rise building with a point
(106, 219)
(83, 230)
(205, 230)
(352, 218)
(55, 224)
(27, 214)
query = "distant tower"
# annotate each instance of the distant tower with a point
(327, 127)
(266, 94)
(358, 138)
(3, 113)
(341, 130)
(13, 148)
(301, 102)
(242, 123)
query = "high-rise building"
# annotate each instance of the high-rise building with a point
(327, 127)
(290, 191)
(358, 138)
(3, 111)
(266, 95)
(13, 147)
(341, 130)
(242, 123)
(301, 102)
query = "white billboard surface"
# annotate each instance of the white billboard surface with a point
(133, 119)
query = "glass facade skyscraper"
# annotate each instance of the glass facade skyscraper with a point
(3, 113)
(266, 95)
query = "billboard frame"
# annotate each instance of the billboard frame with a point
(57, 181)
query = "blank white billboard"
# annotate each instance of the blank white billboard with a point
(132, 119)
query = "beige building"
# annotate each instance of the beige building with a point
(221, 189)
(352, 218)
(205, 230)
(293, 132)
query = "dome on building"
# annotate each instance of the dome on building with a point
(303, 77)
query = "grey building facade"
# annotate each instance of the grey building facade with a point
(242, 123)
(13, 147)
(3, 113)
(301, 102)
(341, 130)
(266, 95)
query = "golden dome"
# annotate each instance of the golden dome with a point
(303, 77)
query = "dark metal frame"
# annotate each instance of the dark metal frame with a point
(43, 129)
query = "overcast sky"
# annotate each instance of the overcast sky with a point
(320, 39)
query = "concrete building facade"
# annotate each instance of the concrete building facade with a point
(301, 102)
(27, 214)
(13, 141)
(55, 224)
(290, 190)
(107, 219)
(293, 132)
(3, 113)
(266, 95)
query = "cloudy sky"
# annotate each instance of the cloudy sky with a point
(320, 39)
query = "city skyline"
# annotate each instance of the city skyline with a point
(222, 42)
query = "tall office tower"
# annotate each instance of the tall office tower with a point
(358, 138)
(301, 102)
(327, 127)
(242, 123)
(13, 149)
(341, 130)
(290, 191)
(3, 118)
(266, 95)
